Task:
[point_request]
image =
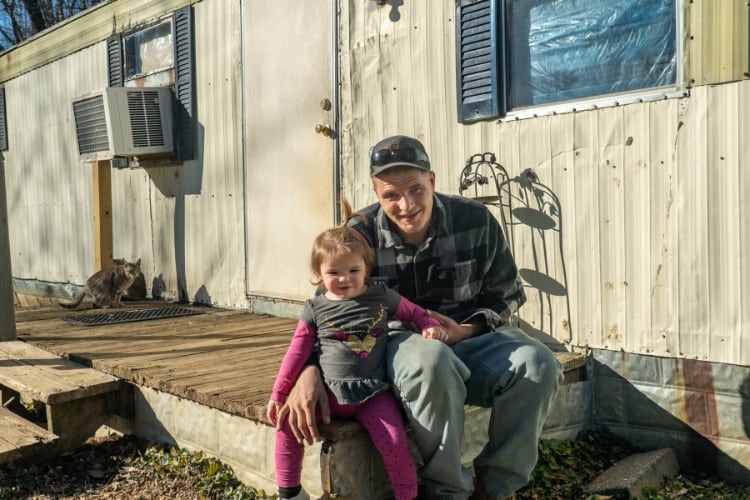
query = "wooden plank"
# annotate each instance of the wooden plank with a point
(152, 354)
(209, 324)
(151, 334)
(200, 364)
(219, 384)
(41, 376)
(208, 314)
(138, 352)
(102, 174)
(212, 383)
(49, 308)
(20, 438)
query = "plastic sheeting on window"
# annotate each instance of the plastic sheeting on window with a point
(149, 50)
(571, 49)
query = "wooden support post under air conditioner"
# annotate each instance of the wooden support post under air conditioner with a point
(102, 176)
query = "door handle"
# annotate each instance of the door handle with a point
(325, 130)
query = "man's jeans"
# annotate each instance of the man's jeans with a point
(508, 371)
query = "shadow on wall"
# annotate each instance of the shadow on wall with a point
(530, 214)
(394, 15)
(148, 423)
(646, 411)
(158, 287)
(202, 296)
(178, 182)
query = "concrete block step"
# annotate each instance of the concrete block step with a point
(636, 472)
(21, 439)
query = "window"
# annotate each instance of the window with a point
(161, 55)
(149, 51)
(520, 54)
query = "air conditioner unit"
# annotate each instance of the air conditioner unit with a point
(124, 121)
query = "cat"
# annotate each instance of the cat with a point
(106, 287)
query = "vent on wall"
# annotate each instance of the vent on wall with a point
(124, 121)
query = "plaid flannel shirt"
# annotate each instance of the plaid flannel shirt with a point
(463, 269)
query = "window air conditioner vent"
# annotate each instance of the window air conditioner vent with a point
(124, 121)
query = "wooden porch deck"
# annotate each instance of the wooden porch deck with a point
(224, 359)
(228, 360)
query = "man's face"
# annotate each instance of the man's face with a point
(406, 197)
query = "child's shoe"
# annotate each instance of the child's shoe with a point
(302, 495)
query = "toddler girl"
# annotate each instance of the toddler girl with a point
(350, 323)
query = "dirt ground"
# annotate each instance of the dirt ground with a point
(107, 468)
(125, 468)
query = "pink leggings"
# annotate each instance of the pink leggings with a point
(381, 417)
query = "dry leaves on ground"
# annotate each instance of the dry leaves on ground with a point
(106, 468)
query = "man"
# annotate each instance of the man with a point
(448, 254)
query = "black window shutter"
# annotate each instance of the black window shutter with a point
(480, 59)
(3, 122)
(184, 70)
(114, 61)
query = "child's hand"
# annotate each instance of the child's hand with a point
(436, 333)
(272, 411)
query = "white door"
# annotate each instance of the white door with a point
(287, 79)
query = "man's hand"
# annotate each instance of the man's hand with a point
(306, 396)
(456, 331)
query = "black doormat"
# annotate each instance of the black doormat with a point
(110, 317)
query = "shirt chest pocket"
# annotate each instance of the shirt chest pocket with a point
(455, 282)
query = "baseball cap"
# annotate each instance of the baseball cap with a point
(398, 151)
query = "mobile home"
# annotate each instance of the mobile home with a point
(630, 115)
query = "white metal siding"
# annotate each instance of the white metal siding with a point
(184, 222)
(654, 195)
(49, 192)
(187, 220)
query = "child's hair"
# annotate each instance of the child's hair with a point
(341, 240)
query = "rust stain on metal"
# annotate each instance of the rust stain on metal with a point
(704, 415)
(700, 411)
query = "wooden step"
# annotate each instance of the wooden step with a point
(21, 439)
(77, 399)
(38, 375)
